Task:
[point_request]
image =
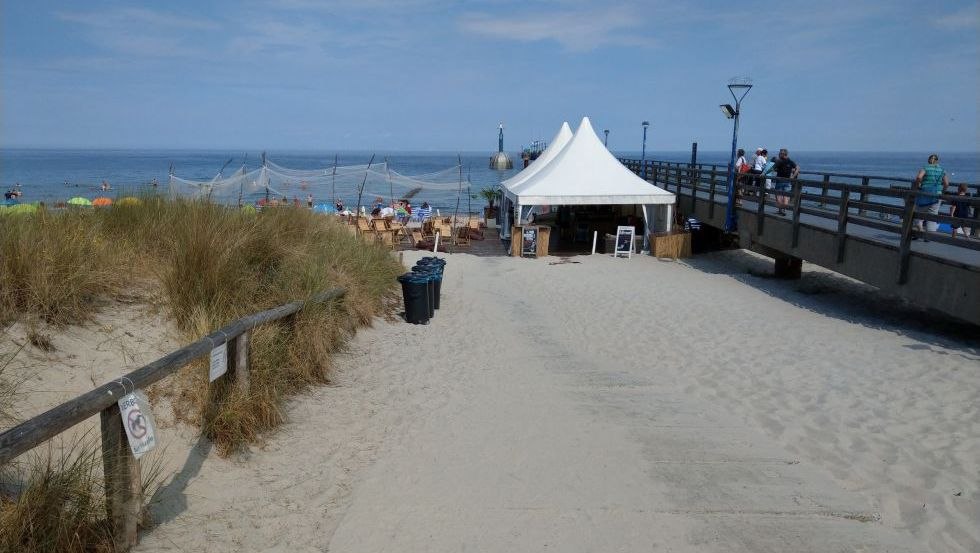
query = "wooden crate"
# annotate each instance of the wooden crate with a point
(672, 245)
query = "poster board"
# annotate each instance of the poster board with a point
(624, 241)
(529, 242)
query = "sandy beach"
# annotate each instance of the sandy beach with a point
(599, 404)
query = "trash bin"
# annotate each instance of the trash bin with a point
(435, 276)
(415, 292)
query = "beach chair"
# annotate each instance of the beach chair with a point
(365, 231)
(462, 235)
(384, 233)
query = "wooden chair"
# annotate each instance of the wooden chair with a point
(365, 231)
(384, 233)
(462, 235)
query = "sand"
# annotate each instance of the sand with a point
(612, 405)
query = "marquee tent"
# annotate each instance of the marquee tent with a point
(583, 172)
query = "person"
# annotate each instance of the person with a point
(425, 211)
(767, 169)
(388, 211)
(930, 182)
(154, 183)
(960, 209)
(379, 203)
(309, 201)
(106, 186)
(786, 169)
(741, 166)
(758, 165)
(339, 205)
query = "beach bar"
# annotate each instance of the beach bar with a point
(577, 178)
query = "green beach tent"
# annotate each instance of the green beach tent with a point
(80, 201)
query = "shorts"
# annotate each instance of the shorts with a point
(782, 185)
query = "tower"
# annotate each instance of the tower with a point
(500, 161)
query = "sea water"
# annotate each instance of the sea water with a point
(52, 175)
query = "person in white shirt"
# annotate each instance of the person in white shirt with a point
(759, 164)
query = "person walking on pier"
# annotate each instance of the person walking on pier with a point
(741, 167)
(786, 169)
(960, 209)
(930, 182)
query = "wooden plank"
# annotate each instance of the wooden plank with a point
(123, 490)
(711, 197)
(35, 431)
(761, 211)
(240, 369)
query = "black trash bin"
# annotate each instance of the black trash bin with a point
(435, 274)
(415, 293)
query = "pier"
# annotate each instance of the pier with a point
(856, 225)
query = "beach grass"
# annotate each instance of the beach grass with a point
(210, 264)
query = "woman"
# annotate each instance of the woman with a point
(929, 183)
(741, 166)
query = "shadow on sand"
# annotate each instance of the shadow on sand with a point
(834, 295)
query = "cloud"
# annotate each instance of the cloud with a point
(576, 31)
(963, 19)
(136, 18)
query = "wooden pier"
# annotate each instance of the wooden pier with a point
(856, 225)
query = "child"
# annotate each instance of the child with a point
(960, 209)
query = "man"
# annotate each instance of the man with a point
(786, 169)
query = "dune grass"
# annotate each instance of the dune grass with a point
(211, 264)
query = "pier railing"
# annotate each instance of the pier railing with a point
(882, 203)
(122, 470)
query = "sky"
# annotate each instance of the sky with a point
(407, 75)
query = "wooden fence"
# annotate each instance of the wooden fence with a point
(122, 469)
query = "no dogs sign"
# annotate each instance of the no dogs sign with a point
(138, 421)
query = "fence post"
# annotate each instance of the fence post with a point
(823, 192)
(797, 195)
(845, 199)
(239, 362)
(864, 195)
(761, 210)
(711, 196)
(123, 489)
(905, 244)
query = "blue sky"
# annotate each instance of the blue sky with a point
(427, 75)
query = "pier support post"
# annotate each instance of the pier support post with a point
(788, 268)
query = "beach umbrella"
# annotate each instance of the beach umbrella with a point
(80, 201)
(128, 200)
(102, 202)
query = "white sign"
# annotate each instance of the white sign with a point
(137, 419)
(624, 241)
(219, 362)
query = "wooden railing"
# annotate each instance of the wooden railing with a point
(122, 469)
(889, 206)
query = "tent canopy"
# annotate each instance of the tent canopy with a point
(549, 153)
(581, 172)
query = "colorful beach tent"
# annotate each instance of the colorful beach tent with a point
(584, 172)
(102, 202)
(79, 201)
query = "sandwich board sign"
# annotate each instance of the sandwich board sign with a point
(624, 241)
(137, 419)
(529, 242)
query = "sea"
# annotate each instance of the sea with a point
(54, 175)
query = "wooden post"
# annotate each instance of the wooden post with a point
(238, 357)
(845, 199)
(711, 196)
(797, 195)
(823, 192)
(761, 212)
(905, 244)
(123, 489)
(863, 197)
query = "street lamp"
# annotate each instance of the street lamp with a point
(605, 141)
(643, 154)
(738, 89)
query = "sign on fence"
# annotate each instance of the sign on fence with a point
(138, 421)
(219, 362)
(624, 241)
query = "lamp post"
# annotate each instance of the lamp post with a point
(605, 141)
(643, 154)
(738, 89)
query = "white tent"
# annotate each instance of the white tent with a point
(584, 172)
(549, 153)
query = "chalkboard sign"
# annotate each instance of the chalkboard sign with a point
(582, 232)
(529, 242)
(624, 241)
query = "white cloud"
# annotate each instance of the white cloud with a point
(575, 30)
(136, 18)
